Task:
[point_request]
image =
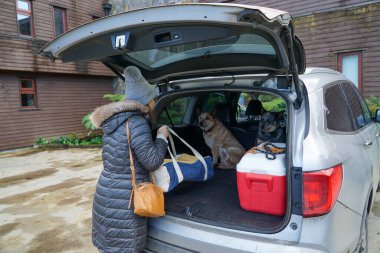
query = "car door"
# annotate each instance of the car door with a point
(367, 128)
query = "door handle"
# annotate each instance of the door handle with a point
(378, 134)
(368, 143)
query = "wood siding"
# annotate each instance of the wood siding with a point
(20, 53)
(62, 102)
(326, 34)
(296, 7)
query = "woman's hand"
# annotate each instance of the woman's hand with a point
(163, 130)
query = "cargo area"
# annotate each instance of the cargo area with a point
(216, 202)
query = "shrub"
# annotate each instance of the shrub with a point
(373, 104)
(87, 122)
(42, 141)
(114, 97)
(71, 140)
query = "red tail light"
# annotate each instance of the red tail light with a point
(320, 190)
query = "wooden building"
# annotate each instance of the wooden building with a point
(39, 98)
(341, 35)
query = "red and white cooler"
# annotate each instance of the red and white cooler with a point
(262, 183)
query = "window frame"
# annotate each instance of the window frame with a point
(32, 90)
(26, 13)
(64, 18)
(359, 53)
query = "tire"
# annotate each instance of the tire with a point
(363, 242)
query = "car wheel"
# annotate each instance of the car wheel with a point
(363, 243)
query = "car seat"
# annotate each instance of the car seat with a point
(247, 139)
(254, 110)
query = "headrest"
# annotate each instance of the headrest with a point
(223, 113)
(254, 108)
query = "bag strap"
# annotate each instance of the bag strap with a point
(131, 163)
(130, 156)
(174, 161)
(171, 141)
(195, 152)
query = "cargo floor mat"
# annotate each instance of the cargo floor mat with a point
(216, 202)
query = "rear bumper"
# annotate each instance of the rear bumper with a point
(337, 231)
(154, 245)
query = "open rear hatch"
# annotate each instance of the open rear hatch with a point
(178, 41)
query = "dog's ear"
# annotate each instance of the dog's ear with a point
(213, 113)
(198, 111)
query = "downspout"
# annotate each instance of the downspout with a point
(293, 67)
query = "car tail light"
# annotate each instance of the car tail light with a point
(320, 190)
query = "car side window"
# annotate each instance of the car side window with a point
(337, 114)
(175, 111)
(354, 104)
(212, 100)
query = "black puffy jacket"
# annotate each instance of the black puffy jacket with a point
(115, 227)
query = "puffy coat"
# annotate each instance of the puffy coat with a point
(115, 227)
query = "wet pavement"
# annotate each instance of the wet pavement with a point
(46, 201)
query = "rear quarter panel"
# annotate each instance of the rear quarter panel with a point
(324, 149)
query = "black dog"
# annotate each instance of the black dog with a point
(272, 127)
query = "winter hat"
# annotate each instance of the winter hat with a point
(136, 87)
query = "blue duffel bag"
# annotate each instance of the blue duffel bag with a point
(184, 167)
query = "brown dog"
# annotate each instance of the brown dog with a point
(222, 143)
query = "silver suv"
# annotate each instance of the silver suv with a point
(220, 57)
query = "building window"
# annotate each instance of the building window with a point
(28, 96)
(351, 65)
(60, 21)
(24, 17)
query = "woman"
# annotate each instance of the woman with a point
(115, 227)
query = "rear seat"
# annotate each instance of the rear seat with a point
(247, 138)
(253, 112)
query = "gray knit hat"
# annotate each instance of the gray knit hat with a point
(136, 87)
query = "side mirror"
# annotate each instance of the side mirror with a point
(377, 116)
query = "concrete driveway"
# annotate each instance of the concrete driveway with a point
(46, 200)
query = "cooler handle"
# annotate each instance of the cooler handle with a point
(260, 178)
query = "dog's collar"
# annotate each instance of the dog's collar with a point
(208, 131)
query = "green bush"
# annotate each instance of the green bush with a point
(42, 141)
(373, 104)
(71, 140)
(87, 122)
(114, 97)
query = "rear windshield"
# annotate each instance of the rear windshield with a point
(243, 44)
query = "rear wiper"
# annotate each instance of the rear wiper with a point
(293, 68)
